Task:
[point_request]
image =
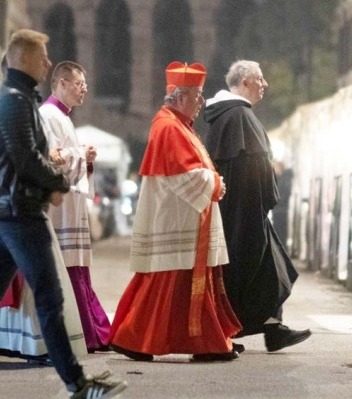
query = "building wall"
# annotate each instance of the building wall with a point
(13, 15)
(344, 33)
(136, 122)
(134, 125)
(3, 17)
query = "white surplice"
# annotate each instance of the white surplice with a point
(70, 219)
(161, 242)
(19, 328)
(71, 224)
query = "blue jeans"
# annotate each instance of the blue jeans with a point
(25, 244)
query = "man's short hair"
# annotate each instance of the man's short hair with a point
(23, 41)
(64, 70)
(239, 70)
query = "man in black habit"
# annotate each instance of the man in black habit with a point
(260, 275)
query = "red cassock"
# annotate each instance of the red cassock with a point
(182, 310)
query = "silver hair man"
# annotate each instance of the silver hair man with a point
(239, 70)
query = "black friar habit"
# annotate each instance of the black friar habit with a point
(260, 275)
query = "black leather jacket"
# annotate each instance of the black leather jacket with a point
(26, 176)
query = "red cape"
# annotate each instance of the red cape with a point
(170, 151)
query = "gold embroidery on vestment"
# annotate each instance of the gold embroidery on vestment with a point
(198, 285)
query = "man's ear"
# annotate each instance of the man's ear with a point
(62, 83)
(245, 82)
(179, 97)
(21, 58)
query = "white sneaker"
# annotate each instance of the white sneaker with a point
(100, 387)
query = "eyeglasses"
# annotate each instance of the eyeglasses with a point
(79, 83)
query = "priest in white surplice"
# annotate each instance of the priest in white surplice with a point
(70, 220)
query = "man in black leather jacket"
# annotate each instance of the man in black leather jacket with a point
(28, 182)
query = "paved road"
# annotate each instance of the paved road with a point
(320, 368)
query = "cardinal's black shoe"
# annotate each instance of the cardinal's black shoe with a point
(103, 348)
(216, 357)
(278, 336)
(238, 348)
(138, 356)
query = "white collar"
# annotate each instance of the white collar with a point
(225, 95)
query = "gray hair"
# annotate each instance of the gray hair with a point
(171, 98)
(239, 70)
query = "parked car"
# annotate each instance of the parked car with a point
(101, 217)
(110, 169)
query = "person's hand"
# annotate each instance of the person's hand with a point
(91, 153)
(56, 198)
(55, 156)
(222, 189)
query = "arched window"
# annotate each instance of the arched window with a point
(172, 38)
(59, 24)
(113, 54)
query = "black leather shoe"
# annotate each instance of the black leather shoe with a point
(278, 336)
(43, 360)
(216, 357)
(238, 348)
(104, 348)
(138, 356)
